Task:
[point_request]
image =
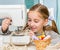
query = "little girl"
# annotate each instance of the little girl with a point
(37, 20)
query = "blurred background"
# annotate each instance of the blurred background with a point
(51, 4)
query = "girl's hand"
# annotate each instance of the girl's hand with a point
(31, 33)
(48, 37)
(5, 24)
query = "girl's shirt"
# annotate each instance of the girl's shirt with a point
(55, 38)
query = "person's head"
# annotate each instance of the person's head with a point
(37, 17)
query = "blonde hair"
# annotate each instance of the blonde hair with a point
(41, 9)
(53, 27)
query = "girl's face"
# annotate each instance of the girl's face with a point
(36, 21)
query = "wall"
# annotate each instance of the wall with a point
(51, 4)
(11, 2)
(58, 17)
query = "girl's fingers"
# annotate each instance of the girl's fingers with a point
(31, 33)
(48, 37)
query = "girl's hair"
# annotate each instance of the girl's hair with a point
(53, 27)
(41, 9)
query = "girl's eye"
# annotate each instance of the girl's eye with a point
(36, 21)
(29, 20)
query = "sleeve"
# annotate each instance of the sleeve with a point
(55, 38)
(1, 21)
(54, 35)
(55, 42)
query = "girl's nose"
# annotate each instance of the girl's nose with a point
(32, 24)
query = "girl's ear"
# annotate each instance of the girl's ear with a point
(45, 22)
